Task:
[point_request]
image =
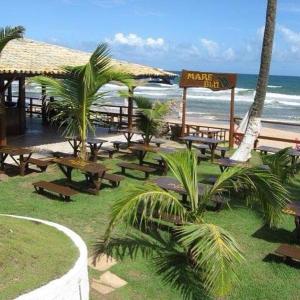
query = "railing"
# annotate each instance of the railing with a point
(119, 113)
(272, 138)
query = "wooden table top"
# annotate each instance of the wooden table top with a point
(227, 162)
(293, 209)
(133, 131)
(200, 139)
(145, 148)
(208, 131)
(172, 184)
(96, 141)
(72, 138)
(12, 150)
(77, 163)
(292, 152)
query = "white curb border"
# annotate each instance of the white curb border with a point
(75, 283)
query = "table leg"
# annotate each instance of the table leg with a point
(297, 224)
(2, 160)
(213, 149)
(22, 165)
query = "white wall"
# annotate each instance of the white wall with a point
(74, 285)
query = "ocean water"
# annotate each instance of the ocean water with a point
(282, 101)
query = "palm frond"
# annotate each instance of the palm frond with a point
(259, 187)
(10, 33)
(215, 253)
(280, 164)
(183, 165)
(143, 204)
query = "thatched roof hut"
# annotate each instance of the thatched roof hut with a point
(26, 58)
(29, 58)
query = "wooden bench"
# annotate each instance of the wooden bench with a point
(41, 163)
(109, 151)
(220, 202)
(114, 179)
(64, 192)
(200, 157)
(288, 252)
(118, 144)
(223, 150)
(147, 170)
(58, 154)
(202, 148)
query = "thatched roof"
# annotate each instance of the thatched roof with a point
(28, 57)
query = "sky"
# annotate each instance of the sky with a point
(220, 36)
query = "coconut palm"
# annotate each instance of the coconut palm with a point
(6, 35)
(188, 251)
(243, 153)
(79, 90)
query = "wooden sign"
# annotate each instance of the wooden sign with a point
(213, 81)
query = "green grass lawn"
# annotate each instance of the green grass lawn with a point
(31, 255)
(261, 277)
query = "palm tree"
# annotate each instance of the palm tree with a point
(243, 153)
(78, 90)
(6, 35)
(188, 251)
(150, 116)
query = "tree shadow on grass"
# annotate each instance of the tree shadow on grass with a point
(274, 235)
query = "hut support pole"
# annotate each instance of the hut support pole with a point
(130, 107)
(183, 112)
(44, 113)
(2, 115)
(231, 128)
(21, 105)
(9, 93)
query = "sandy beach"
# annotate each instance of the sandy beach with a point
(266, 131)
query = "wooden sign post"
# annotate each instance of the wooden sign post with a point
(212, 81)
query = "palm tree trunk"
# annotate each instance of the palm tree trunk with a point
(243, 153)
(83, 154)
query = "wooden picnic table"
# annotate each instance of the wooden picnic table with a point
(210, 133)
(293, 209)
(225, 163)
(23, 153)
(212, 143)
(129, 133)
(75, 143)
(94, 172)
(293, 153)
(142, 150)
(95, 146)
(172, 184)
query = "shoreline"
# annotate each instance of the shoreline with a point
(266, 131)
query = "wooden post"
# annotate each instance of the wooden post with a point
(44, 112)
(231, 128)
(9, 93)
(183, 111)
(130, 107)
(30, 108)
(2, 114)
(21, 105)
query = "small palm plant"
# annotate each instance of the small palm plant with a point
(190, 253)
(79, 90)
(150, 115)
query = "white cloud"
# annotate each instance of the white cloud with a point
(134, 40)
(229, 54)
(211, 47)
(292, 39)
